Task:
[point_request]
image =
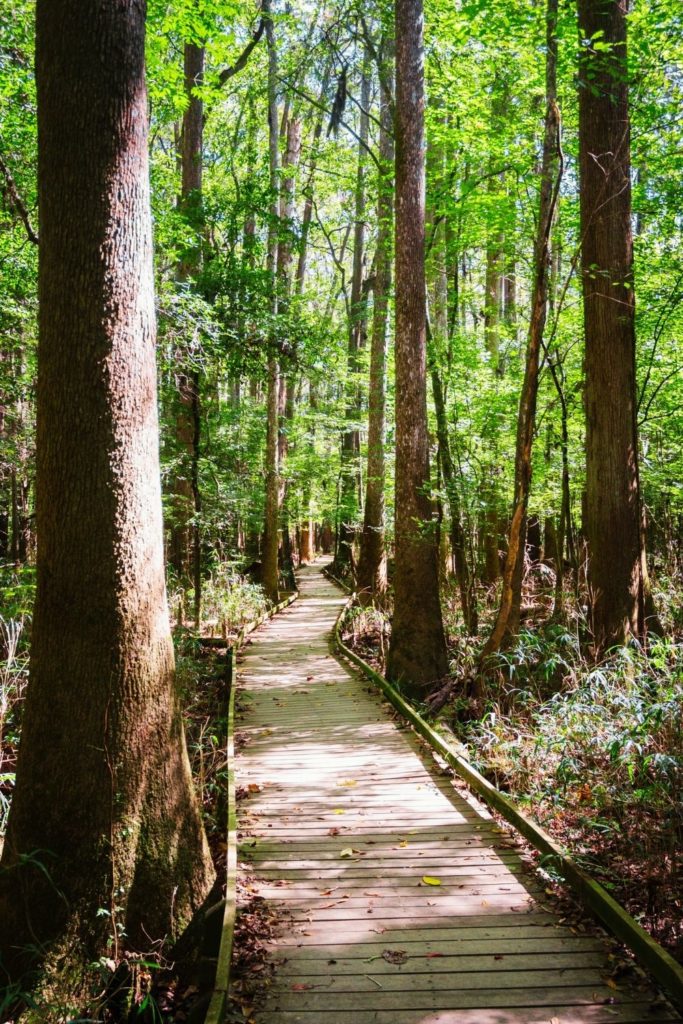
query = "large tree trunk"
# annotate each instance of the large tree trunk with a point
(418, 647)
(104, 815)
(371, 577)
(507, 621)
(617, 576)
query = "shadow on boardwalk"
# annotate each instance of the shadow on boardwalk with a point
(399, 899)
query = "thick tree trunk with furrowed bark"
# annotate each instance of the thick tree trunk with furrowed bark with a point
(104, 832)
(418, 647)
(621, 605)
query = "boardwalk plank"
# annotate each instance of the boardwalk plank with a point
(321, 752)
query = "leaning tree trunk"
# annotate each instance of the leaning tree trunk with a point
(371, 577)
(617, 577)
(507, 621)
(104, 815)
(418, 647)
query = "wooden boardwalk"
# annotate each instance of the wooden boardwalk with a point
(398, 898)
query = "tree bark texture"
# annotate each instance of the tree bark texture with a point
(104, 813)
(617, 578)
(371, 577)
(417, 653)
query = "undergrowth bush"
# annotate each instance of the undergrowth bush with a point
(17, 593)
(609, 740)
(229, 600)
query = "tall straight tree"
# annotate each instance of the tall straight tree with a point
(371, 577)
(358, 313)
(621, 605)
(417, 653)
(187, 496)
(272, 504)
(104, 816)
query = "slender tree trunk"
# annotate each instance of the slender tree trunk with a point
(308, 188)
(565, 532)
(185, 540)
(307, 550)
(617, 573)
(350, 442)
(417, 653)
(104, 814)
(438, 347)
(288, 382)
(272, 509)
(371, 578)
(507, 622)
(468, 597)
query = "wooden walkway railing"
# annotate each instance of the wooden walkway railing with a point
(398, 898)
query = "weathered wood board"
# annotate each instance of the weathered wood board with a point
(398, 898)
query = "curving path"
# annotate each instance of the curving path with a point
(346, 817)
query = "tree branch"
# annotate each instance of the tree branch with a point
(15, 201)
(227, 73)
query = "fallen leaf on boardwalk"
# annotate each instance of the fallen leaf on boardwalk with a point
(348, 852)
(395, 956)
(484, 903)
(348, 783)
(266, 732)
(335, 903)
(554, 1020)
(432, 956)
(326, 892)
(333, 831)
(370, 894)
(428, 880)
(612, 984)
(339, 810)
(497, 956)
(300, 987)
(253, 787)
(403, 843)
